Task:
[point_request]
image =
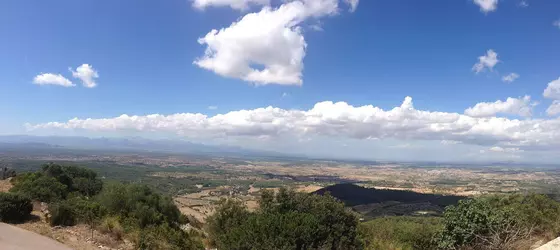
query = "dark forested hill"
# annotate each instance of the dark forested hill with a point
(353, 195)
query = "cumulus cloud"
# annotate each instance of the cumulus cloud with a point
(523, 4)
(556, 23)
(511, 77)
(552, 91)
(212, 107)
(52, 79)
(265, 47)
(339, 120)
(512, 106)
(487, 5)
(487, 61)
(353, 4)
(87, 74)
(234, 4)
(554, 108)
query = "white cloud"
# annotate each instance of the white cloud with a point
(556, 23)
(353, 4)
(285, 94)
(511, 77)
(487, 5)
(497, 149)
(316, 27)
(523, 4)
(212, 107)
(512, 106)
(554, 108)
(266, 47)
(487, 61)
(234, 4)
(447, 142)
(552, 91)
(52, 79)
(87, 74)
(337, 120)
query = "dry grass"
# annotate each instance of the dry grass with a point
(5, 185)
(76, 237)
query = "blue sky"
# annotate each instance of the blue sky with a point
(149, 59)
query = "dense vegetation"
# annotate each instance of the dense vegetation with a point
(499, 222)
(400, 232)
(488, 222)
(287, 220)
(55, 182)
(14, 207)
(76, 195)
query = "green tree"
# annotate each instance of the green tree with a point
(39, 187)
(14, 207)
(139, 203)
(62, 213)
(288, 220)
(476, 223)
(75, 178)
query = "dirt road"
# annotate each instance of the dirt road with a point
(14, 238)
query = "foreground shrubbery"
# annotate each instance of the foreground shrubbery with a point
(288, 220)
(499, 222)
(55, 182)
(75, 195)
(491, 222)
(14, 207)
(400, 232)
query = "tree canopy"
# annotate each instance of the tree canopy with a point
(287, 220)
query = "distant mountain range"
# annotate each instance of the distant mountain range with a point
(127, 144)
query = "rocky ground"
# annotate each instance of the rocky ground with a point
(75, 237)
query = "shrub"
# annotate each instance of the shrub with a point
(164, 237)
(288, 220)
(78, 179)
(139, 204)
(62, 214)
(111, 225)
(14, 207)
(535, 211)
(400, 233)
(39, 187)
(476, 223)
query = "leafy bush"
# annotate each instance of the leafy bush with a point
(39, 187)
(111, 225)
(400, 233)
(75, 210)
(498, 222)
(14, 207)
(535, 211)
(164, 237)
(78, 179)
(77, 196)
(139, 204)
(62, 213)
(288, 220)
